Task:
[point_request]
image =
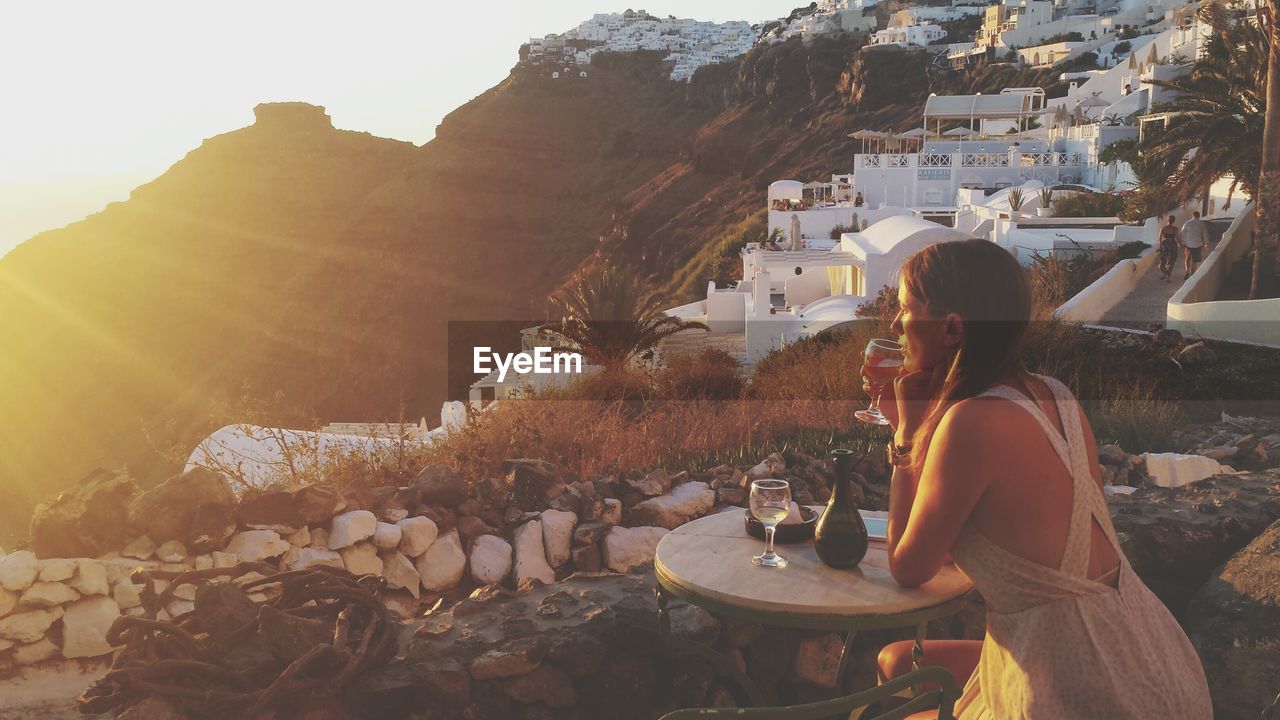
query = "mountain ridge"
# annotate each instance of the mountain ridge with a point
(288, 271)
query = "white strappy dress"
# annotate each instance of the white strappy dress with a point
(1060, 646)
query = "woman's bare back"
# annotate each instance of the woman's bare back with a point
(1027, 507)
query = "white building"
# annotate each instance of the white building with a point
(785, 295)
(904, 35)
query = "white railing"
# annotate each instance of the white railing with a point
(870, 161)
(984, 160)
(935, 160)
(899, 160)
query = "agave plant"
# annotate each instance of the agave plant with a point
(1016, 199)
(1046, 197)
(612, 317)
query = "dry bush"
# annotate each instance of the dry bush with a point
(711, 375)
(824, 366)
(589, 437)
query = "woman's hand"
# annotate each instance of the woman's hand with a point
(912, 394)
(888, 405)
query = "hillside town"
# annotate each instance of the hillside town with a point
(504, 565)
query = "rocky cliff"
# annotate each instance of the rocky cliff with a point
(289, 271)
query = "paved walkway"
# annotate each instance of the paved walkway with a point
(1147, 304)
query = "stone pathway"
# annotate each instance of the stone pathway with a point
(1146, 305)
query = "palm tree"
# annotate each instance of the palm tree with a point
(612, 317)
(1219, 115)
(1218, 111)
(1267, 232)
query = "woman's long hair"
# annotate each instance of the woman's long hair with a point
(983, 284)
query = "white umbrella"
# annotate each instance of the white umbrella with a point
(795, 233)
(959, 132)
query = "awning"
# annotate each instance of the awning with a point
(964, 107)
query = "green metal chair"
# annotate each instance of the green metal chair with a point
(943, 697)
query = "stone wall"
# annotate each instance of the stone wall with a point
(439, 537)
(517, 593)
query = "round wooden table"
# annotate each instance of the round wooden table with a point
(707, 562)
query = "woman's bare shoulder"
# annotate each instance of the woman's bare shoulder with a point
(987, 422)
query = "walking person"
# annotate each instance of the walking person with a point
(1168, 241)
(1195, 235)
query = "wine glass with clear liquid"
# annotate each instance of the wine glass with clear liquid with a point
(883, 361)
(770, 504)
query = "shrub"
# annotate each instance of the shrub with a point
(1134, 418)
(1122, 47)
(883, 307)
(712, 375)
(839, 230)
(1131, 250)
(1087, 204)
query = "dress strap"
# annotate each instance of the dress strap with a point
(1087, 502)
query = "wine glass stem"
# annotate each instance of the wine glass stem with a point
(876, 389)
(768, 540)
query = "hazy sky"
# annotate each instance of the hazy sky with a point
(98, 97)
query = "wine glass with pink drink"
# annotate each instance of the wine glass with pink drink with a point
(883, 363)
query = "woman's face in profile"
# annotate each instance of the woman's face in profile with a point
(921, 335)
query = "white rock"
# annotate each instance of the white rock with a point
(225, 559)
(1176, 469)
(38, 651)
(531, 557)
(8, 601)
(172, 552)
(1118, 490)
(387, 536)
(309, 556)
(302, 538)
(684, 503)
(557, 535)
(416, 535)
(490, 559)
(18, 570)
(28, 627)
(127, 595)
(142, 548)
(91, 578)
(761, 470)
(57, 569)
(361, 559)
(400, 573)
(257, 545)
(626, 548)
(185, 591)
(204, 562)
(818, 659)
(84, 627)
(47, 594)
(350, 528)
(178, 608)
(443, 564)
(612, 514)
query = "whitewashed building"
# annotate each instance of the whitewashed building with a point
(785, 295)
(904, 35)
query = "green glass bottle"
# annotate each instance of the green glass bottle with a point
(840, 537)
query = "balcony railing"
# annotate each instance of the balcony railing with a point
(984, 160)
(935, 160)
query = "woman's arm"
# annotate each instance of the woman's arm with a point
(926, 517)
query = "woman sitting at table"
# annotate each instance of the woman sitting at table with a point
(997, 468)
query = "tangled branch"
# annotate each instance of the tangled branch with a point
(318, 630)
